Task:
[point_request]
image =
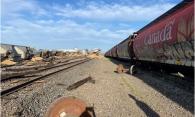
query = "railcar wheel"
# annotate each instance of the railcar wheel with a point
(132, 69)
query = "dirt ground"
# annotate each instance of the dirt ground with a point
(112, 95)
(123, 95)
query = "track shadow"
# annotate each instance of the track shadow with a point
(163, 84)
(145, 108)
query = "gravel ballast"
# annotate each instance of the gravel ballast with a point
(112, 94)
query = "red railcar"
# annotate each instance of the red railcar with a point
(108, 53)
(114, 52)
(123, 49)
(169, 40)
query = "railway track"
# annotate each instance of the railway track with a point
(24, 75)
(22, 71)
(51, 71)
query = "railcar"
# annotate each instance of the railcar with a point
(123, 49)
(114, 52)
(16, 51)
(168, 41)
(108, 53)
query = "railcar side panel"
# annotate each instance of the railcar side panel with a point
(171, 40)
(122, 49)
(114, 53)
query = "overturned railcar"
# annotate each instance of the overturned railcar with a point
(17, 52)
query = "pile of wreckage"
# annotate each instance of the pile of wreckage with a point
(15, 54)
(95, 54)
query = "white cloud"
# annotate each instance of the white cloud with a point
(12, 8)
(21, 25)
(61, 30)
(115, 12)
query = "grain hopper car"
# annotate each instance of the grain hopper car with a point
(167, 42)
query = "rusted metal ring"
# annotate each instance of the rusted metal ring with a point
(66, 107)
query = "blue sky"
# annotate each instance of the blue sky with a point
(61, 24)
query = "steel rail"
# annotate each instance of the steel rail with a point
(23, 85)
(41, 70)
(41, 66)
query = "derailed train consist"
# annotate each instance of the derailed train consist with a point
(168, 41)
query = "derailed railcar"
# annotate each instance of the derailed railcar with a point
(15, 52)
(170, 39)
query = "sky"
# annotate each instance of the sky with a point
(83, 24)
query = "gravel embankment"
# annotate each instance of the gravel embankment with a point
(112, 95)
